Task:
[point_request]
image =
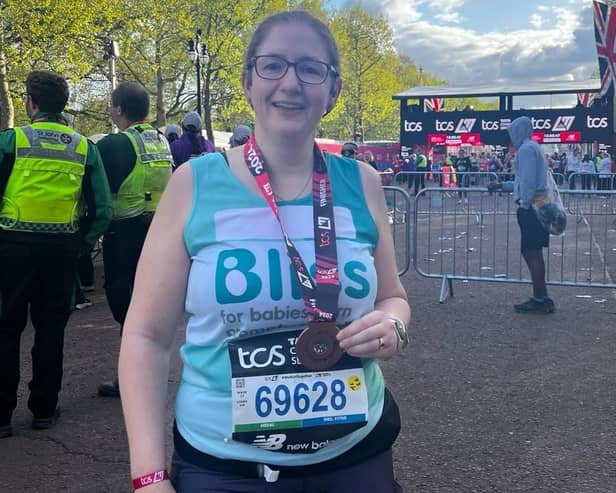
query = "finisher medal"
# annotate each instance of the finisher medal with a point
(317, 346)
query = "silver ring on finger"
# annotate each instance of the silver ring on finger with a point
(381, 342)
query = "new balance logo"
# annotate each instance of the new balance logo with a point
(271, 442)
(465, 125)
(563, 123)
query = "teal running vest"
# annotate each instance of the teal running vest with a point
(241, 285)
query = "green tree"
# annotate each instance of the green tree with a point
(366, 50)
(61, 35)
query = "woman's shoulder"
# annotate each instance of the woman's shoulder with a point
(209, 159)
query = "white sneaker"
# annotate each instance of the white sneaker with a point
(86, 303)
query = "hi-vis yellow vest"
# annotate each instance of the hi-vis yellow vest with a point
(142, 189)
(43, 193)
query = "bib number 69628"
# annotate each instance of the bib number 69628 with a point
(317, 399)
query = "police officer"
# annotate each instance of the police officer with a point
(421, 168)
(50, 177)
(138, 165)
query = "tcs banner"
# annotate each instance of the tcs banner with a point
(554, 126)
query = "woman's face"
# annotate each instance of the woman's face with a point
(288, 106)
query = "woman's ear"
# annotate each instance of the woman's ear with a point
(246, 85)
(334, 93)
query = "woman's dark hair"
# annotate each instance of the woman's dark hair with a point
(193, 137)
(47, 90)
(133, 99)
(291, 16)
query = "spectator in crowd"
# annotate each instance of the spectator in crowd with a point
(369, 158)
(463, 166)
(494, 164)
(350, 149)
(409, 166)
(191, 143)
(173, 132)
(240, 135)
(573, 168)
(562, 167)
(396, 166)
(483, 161)
(605, 172)
(530, 178)
(587, 170)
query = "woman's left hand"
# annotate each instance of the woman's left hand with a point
(371, 336)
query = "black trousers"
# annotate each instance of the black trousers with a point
(420, 180)
(122, 246)
(43, 285)
(86, 269)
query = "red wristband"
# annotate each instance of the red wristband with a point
(152, 478)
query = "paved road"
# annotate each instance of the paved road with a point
(491, 401)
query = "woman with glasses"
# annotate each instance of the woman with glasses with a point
(282, 259)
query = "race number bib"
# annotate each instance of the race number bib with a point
(280, 406)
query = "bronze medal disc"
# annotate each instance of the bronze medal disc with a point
(317, 346)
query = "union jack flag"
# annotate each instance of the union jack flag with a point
(605, 36)
(585, 98)
(434, 104)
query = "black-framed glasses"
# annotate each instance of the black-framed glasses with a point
(273, 67)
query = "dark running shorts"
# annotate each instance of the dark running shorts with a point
(534, 237)
(374, 475)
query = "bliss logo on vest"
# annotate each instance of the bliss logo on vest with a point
(237, 279)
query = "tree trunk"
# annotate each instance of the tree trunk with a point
(7, 111)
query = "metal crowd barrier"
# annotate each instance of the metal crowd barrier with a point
(480, 240)
(399, 216)
(560, 179)
(592, 181)
(448, 179)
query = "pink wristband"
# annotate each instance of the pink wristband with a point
(152, 478)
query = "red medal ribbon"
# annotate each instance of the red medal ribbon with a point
(320, 295)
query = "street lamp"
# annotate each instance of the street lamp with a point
(112, 53)
(197, 52)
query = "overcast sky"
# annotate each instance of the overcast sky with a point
(472, 41)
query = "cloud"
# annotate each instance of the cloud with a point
(557, 44)
(446, 10)
(536, 20)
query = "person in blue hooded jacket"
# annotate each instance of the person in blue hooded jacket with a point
(530, 178)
